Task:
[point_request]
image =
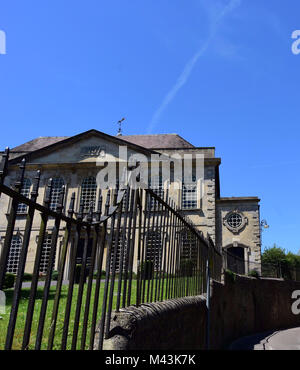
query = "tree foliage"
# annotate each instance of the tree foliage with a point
(289, 263)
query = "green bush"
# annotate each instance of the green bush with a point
(253, 273)
(147, 270)
(54, 275)
(284, 264)
(273, 255)
(186, 267)
(231, 276)
(9, 280)
(103, 274)
(27, 276)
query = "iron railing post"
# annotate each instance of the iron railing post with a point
(207, 304)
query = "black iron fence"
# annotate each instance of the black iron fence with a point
(130, 248)
(242, 266)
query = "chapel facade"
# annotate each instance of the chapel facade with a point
(233, 223)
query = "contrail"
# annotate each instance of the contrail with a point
(188, 68)
(2, 42)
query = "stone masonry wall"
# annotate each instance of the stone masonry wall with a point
(240, 307)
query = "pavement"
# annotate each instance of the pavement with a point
(274, 340)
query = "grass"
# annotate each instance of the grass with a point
(21, 317)
(19, 329)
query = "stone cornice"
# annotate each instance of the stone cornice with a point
(237, 199)
(88, 164)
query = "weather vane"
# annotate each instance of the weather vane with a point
(120, 127)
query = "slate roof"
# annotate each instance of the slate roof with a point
(158, 141)
(146, 141)
(38, 143)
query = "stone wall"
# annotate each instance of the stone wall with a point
(247, 305)
(242, 306)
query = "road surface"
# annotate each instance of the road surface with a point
(276, 340)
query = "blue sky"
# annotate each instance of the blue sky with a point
(218, 72)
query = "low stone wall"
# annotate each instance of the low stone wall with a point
(244, 306)
(239, 307)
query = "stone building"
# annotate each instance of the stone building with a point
(232, 223)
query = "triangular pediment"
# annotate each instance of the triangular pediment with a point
(85, 147)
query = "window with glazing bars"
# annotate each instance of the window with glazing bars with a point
(14, 254)
(57, 185)
(189, 195)
(154, 248)
(188, 246)
(46, 253)
(157, 186)
(22, 208)
(88, 193)
(119, 253)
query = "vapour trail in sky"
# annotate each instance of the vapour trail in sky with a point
(188, 68)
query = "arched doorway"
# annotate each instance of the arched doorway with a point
(236, 260)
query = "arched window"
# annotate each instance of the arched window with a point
(14, 254)
(57, 185)
(88, 192)
(22, 208)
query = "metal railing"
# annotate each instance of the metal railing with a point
(136, 248)
(262, 269)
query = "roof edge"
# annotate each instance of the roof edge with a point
(77, 137)
(238, 199)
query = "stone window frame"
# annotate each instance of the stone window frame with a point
(235, 230)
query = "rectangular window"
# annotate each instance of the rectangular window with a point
(157, 186)
(154, 248)
(25, 190)
(46, 253)
(88, 193)
(121, 250)
(14, 254)
(188, 246)
(189, 195)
